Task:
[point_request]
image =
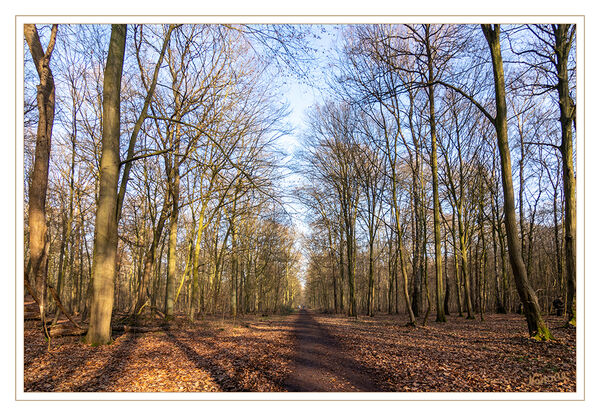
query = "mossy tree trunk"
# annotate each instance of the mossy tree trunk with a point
(564, 37)
(535, 323)
(439, 279)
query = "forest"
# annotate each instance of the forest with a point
(428, 206)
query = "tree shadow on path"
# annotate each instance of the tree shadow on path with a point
(320, 364)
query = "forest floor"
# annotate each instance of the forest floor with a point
(306, 351)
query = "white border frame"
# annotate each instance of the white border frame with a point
(579, 395)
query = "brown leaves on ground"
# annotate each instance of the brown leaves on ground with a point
(258, 354)
(211, 355)
(459, 355)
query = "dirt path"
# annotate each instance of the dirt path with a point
(311, 353)
(319, 364)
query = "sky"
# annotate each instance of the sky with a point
(300, 98)
(301, 95)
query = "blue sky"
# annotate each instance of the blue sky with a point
(300, 95)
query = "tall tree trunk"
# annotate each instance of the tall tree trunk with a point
(535, 323)
(38, 260)
(483, 257)
(465, 264)
(521, 188)
(426, 276)
(371, 293)
(172, 250)
(391, 273)
(196, 263)
(174, 180)
(439, 279)
(417, 257)
(473, 275)
(156, 280)
(500, 308)
(234, 268)
(564, 36)
(411, 316)
(558, 244)
(351, 257)
(456, 267)
(336, 308)
(105, 243)
(342, 268)
(446, 282)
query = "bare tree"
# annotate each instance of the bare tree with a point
(38, 240)
(535, 323)
(105, 242)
